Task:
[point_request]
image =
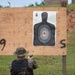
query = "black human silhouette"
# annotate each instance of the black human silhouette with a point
(44, 32)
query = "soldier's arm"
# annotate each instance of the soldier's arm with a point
(32, 63)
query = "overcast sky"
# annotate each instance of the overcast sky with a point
(21, 3)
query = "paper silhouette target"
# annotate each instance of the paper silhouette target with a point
(44, 26)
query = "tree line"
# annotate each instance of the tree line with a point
(30, 5)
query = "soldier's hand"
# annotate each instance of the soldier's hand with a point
(30, 57)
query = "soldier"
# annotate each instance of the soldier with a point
(21, 65)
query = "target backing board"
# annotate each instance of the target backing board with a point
(41, 30)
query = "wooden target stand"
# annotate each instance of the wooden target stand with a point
(64, 4)
(64, 65)
(16, 31)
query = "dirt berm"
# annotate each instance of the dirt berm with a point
(71, 20)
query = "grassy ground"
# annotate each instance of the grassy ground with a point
(71, 7)
(48, 65)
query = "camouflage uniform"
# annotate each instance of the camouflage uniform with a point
(24, 66)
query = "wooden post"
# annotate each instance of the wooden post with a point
(63, 3)
(64, 65)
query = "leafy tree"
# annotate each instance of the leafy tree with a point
(31, 5)
(37, 4)
(1, 6)
(41, 4)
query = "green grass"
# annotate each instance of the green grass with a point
(55, 5)
(71, 54)
(71, 7)
(47, 65)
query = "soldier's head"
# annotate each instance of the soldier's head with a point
(21, 52)
(44, 16)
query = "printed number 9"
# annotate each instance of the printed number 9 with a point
(3, 42)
